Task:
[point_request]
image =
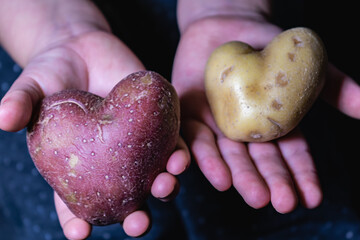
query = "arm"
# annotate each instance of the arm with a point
(28, 27)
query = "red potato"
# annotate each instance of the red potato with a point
(101, 155)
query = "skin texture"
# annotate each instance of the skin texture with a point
(257, 96)
(101, 155)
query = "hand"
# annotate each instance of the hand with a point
(94, 61)
(276, 171)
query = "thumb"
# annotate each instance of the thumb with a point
(50, 72)
(17, 104)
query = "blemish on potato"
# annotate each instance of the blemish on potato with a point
(37, 149)
(47, 120)
(71, 198)
(281, 79)
(276, 124)
(146, 79)
(70, 101)
(100, 134)
(122, 98)
(268, 87)
(63, 183)
(72, 173)
(225, 73)
(275, 104)
(297, 41)
(141, 95)
(255, 135)
(291, 56)
(106, 119)
(73, 161)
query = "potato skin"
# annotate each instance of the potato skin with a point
(101, 155)
(257, 96)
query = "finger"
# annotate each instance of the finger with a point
(202, 143)
(179, 160)
(296, 153)
(272, 168)
(16, 109)
(165, 187)
(53, 71)
(245, 176)
(136, 223)
(342, 92)
(74, 228)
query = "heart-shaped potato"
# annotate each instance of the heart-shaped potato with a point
(258, 96)
(101, 155)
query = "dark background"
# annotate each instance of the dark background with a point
(200, 212)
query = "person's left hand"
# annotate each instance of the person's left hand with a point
(278, 171)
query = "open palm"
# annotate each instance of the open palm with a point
(277, 171)
(95, 62)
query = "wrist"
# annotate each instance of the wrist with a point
(44, 24)
(189, 11)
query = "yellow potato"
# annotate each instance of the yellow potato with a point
(257, 96)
